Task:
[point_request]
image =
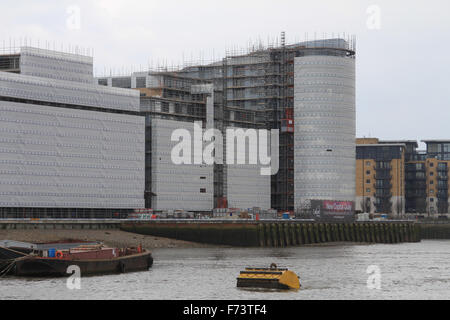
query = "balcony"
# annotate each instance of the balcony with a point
(442, 194)
(416, 194)
(385, 186)
(383, 175)
(415, 168)
(383, 206)
(384, 168)
(383, 193)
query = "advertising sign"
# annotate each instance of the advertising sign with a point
(333, 211)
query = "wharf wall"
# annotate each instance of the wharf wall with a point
(277, 233)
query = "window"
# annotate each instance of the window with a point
(368, 172)
(420, 175)
(419, 166)
(140, 82)
(202, 178)
(368, 181)
(165, 107)
(368, 163)
(383, 164)
(431, 191)
(431, 182)
(202, 190)
(431, 199)
(368, 190)
(379, 183)
(442, 166)
(431, 174)
(431, 164)
(433, 148)
(442, 184)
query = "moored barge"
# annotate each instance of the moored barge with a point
(91, 259)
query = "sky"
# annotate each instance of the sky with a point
(402, 47)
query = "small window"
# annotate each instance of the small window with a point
(431, 182)
(431, 174)
(368, 190)
(202, 178)
(431, 199)
(202, 190)
(368, 181)
(368, 172)
(431, 191)
(368, 163)
(431, 164)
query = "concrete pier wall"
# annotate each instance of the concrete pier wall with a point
(278, 234)
(272, 233)
(435, 230)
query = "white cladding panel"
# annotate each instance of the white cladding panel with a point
(178, 186)
(67, 158)
(67, 92)
(56, 65)
(324, 140)
(246, 186)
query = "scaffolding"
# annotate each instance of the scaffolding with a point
(253, 88)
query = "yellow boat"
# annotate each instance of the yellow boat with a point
(273, 277)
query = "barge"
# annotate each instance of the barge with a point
(92, 259)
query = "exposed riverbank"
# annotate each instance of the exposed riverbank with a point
(118, 238)
(115, 238)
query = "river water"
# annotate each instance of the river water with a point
(406, 271)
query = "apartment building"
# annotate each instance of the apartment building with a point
(416, 180)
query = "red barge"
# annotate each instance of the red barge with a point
(91, 259)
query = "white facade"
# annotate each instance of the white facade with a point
(58, 148)
(64, 158)
(246, 186)
(324, 139)
(56, 65)
(398, 204)
(67, 92)
(178, 186)
(365, 204)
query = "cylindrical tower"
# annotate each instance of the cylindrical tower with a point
(324, 114)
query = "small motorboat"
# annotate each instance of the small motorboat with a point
(272, 278)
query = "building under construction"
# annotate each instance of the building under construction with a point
(68, 148)
(174, 100)
(261, 89)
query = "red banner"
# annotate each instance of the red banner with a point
(337, 206)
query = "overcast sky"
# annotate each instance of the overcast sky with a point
(403, 47)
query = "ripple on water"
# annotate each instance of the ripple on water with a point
(408, 271)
